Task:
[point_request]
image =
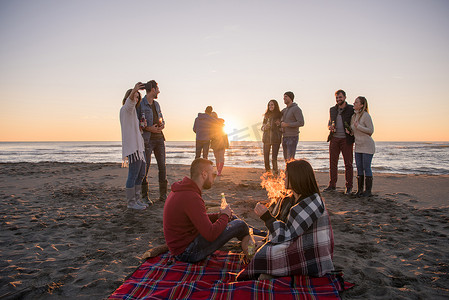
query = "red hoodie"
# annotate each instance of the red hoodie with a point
(185, 217)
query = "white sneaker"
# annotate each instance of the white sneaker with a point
(135, 205)
(142, 203)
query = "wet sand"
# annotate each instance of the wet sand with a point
(66, 231)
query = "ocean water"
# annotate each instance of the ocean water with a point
(390, 157)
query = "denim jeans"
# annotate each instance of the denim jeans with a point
(289, 144)
(136, 173)
(200, 248)
(158, 147)
(274, 156)
(363, 162)
(336, 146)
(202, 146)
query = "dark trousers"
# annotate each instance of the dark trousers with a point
(158, 147)
(274, 155)
(202, 146)
(336, 146)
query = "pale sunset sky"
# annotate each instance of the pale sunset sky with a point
(65, 65)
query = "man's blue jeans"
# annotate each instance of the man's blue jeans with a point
(289, 144)
(363, 163)
(158, 147)
(200, 248)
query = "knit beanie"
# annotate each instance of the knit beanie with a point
(290, 95)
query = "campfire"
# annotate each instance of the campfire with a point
(275, 187)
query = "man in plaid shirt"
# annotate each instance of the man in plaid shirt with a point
(300, 240)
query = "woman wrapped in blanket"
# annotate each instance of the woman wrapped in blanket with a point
(300, 239)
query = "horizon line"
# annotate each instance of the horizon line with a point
(96, 141)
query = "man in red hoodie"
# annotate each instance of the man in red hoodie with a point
(190, 233)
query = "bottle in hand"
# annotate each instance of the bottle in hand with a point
(142, 122)
(251, 244)
(224, 203)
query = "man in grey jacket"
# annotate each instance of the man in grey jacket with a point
(292, 119)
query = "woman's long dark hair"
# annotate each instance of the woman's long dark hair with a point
(301, 178)
(276, 113)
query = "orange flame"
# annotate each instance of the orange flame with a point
(275, 186)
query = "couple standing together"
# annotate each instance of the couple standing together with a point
(350, 124)
(209, 131)
(140, 140)
(281, 126)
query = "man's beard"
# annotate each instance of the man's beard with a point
(207, 184)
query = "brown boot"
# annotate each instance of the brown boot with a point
(163, 190)
(146, 193)
(146, 201)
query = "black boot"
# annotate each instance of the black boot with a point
(368, 186)
(163, 190)
(360, 182)
(348, 191)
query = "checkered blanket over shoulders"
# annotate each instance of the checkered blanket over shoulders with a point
(300, 219)
(303, 245)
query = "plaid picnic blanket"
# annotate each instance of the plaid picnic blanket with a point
(163, 277)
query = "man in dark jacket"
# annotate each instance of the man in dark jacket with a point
(202, 127)
(340, 141)
(190, 232)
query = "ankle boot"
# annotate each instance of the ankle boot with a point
(131, 197)
(146, 193)
(163, 190)
(360, 182)
(368, 186)
(139, 199)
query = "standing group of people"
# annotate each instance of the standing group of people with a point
(209, 131)
(142, 123)
(348, 124)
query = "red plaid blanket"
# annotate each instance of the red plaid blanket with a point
(214, 278)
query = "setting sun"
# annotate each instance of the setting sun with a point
(231, 125)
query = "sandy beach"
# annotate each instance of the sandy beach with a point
(66, 231)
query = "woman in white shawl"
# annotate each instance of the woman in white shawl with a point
(133, 147)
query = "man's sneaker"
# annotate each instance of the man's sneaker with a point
(329, 189)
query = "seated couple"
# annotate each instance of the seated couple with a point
(300, 239)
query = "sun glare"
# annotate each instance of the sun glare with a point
(231, 125)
